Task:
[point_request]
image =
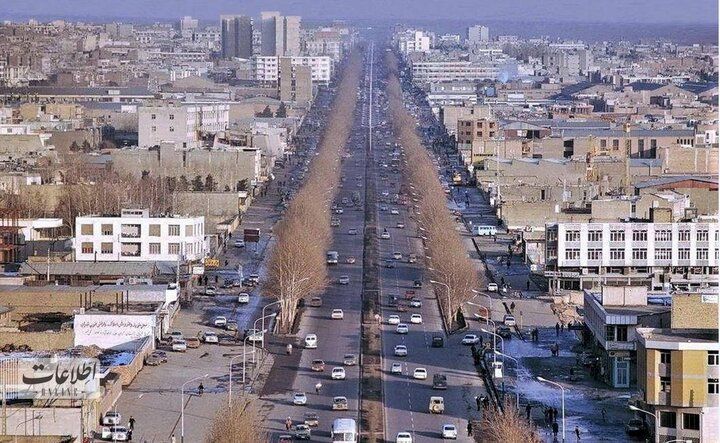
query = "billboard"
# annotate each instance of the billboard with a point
(251, 235)
(31, 377)
(116, 331)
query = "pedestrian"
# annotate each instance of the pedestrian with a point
(547, 415)
(512, 307)
(604, 415)
(129, 434)
(486, 402)
(502, 281)
(473, 349)
(469, 428)
(476, 359)
(577, 433)
(555, 429)
(201, 389)
(555, 414)
(131, 422)
(557, 329)
(528, 408)
(481, 341)
(562, 327)
(478, 401)
(527, 285)
(288, 423)
(318, 385)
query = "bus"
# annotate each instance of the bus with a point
(483, 230)
(344, 430)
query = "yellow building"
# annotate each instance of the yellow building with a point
(679, 371)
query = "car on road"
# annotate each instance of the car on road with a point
(311, 341)
(420, 374)
(503, 331)
(339, 211)
(417, 284)
(437, 405)
(492, 287)
(415, 302)
(315, 302)
(337, 314)
(635, 427)
(176, 335)
(210, 290)
(156, 358)
(416, 319)
(338, 373)
(389, 264)
(383, 208)
(350, 260)
(402, 328)
(400, 225)
(312, 419)
(393, 319)
(437, 342)
(335, 222)
(412, 258)
(439, 381)
(299, 399)
(179, 345)
(114, 433)
(403, 437)
(210, 337)
(239, 243)
(231, 326)
(396, 368)
(220, 321)
(243, 298)
(111, 418)
(340, 403)
(350, 359)
(301, 432)
(397, 255)
(385, 235)
(394, 212)
(470, 339)
(449, 432)
(254, 335)
(401, 351)
(317, 365)
(250, 283)
(285, 438)
(509, 320)
(352, 231)
(344, 280)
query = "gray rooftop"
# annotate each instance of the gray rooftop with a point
(112, 269)
(660, 181)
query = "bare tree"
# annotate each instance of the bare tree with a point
(238, 424)
(506, 426)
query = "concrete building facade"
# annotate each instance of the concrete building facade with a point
(182, 124)
(236, 36)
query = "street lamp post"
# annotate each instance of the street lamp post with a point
(562, 399)
(517, 366)
(231, 375)
(487, 311)
(262, 337)
(449, 313)
(635, 408)
(182, 405)
(502, 342)
(486, 295)
(263, 314)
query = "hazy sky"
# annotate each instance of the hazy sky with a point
(618, 11)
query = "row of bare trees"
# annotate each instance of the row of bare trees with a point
(297, 268)
(449, 263)
(506, 426)
(237, 424)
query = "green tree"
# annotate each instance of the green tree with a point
(197, 183)
(281, 111)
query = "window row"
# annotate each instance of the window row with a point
(130, 230)
(133, 249)
(618, 235)
(638, 254)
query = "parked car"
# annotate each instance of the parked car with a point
(285, 438)
(114, 433)
(315, 302)
(210, 290)
(318, 365)
(231, 326)
(438, 342)
(492, 287)
(338, 373)
(509, 320)
(385, 235)
(311, 341)
(179, 346)
(400, 225)
(503, 331)
(243, 298)
(210, 337)
(239, 243)
(337, 314)
(439, 381)
(350, 359)
(352, 231)
(111, 418)
(220, 321)
(339, 403)
(192, 342)
(155, 358)
(350, 260)
(176, 335)
(449, 432)
(397, 255)
(635, 427)
(417, 284)
(420, 374)
(470, 339)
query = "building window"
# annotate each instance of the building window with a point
(551, 252)
(684, 254)
(171, 116)
(153, 117)
(572, 235)
(665, 384)
(668, 419)
(639, 235)
(639, 254)
(713, 386)
(610, 333)
(684, 235)
(621, 333)
(713, 358)
(691, 421)
(572, 254)
(594, 235)
(154, 129)
(86, 229)
(154, 248)
(702, 253)
(107, 229)
(174, 230)
(617, 235)
(616, 144)
(188, 230)
(172, 129)
(617, 254)
(663, 254)
(663, 235)
(154, 230)
(702, 235)
(594, 254)
(87, 248)
(665, 357)
(173, 248)
(551, 235)
(106, 248)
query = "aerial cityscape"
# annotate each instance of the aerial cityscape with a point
(381, 221)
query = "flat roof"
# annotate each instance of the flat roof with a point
(700, 336)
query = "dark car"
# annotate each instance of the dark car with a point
(503, 331)
(439, 381)
(438, 342)
(417, 284)
(635, 427)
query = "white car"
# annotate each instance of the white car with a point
(404, 437)
(420, 374)
(393, 319)
(350, 260)
(337, 314)
(111, 418)
(311, 341)
(396, 368)
(176, 335)
(211, 290)
(492, 287)
(352, 231)
(470, 339)
(210, 337)
(395, 212)
(385, 235)
(509, 320)
(179, 345)
(416, 319)
(400, 225)
(344, 280)
(401, 351)
(243, 298)
(239, 243)
(299, 399)
(220, 321)
(114, 433)
(397, 255)
(415, 303)
(402, 328)
(449, 432)
(338, 373)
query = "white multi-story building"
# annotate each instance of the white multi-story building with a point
(660, 255)
(135, 236)
(426, 72)
(413, 41)
(180, 124)
(478, 34)
(267, 68)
